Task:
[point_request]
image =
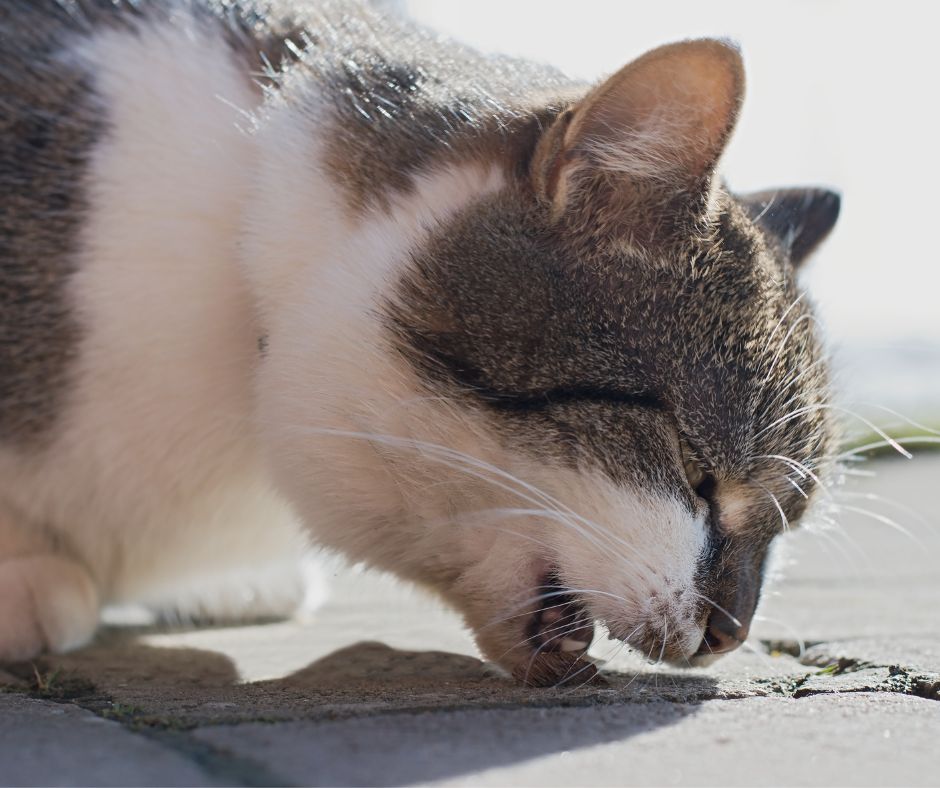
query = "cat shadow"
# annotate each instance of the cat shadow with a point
(365, 713)
(450, 715)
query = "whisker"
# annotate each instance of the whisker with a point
(758, 653)
(717, 607)
(829, 541)
(613, 654)
(770, 202)
(639, 672)
(885, 520)
(786, 339)
(889, 501)
(797, 487)
(535, 656)
(783, 317)
(476, 462)
(857, 471)
(555, 593)
(570, 618)
(894, 444)
(662, 650)
(568, 675)
(826, 406)
(461, 519)
(783, 516)
(649, 654)
(504, 619)
(797, 466)
(548, 514)
(901, 416)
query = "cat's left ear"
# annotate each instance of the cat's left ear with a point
(800, 219)
(634, 160)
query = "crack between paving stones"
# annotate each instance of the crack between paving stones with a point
(219, 764)
(901, 680)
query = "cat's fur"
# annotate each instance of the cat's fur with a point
(461, 318)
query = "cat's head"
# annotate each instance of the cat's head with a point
(610, 394)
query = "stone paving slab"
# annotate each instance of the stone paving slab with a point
(855, 739)
(44, 743)
(867, 576)
(845, 740)
(381, 684)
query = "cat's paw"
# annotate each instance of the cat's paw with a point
(47, 603)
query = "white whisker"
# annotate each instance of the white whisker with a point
(445, 453)
(801, 468)
(890, 501)
(826, 406)
(786, 339)
(894, 444)
(783, 516)
(717, 607)
(783, 317)
(885, 520)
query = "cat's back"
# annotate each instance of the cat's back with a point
(125, 331)
(55, 114)
(49, 124)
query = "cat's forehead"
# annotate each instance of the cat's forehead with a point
(729, 329)
(502, 304)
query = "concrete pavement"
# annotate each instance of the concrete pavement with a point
(382, 686)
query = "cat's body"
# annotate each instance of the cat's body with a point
(267, 267)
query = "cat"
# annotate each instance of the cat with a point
(273, 271)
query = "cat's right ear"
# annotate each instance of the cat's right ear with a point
(634, 160)
(800, 219)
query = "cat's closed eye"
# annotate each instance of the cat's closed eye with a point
(567, 394)
(700, 480)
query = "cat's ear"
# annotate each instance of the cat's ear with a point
(800, 219)
(635, 158)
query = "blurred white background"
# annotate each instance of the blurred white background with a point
(840, 93)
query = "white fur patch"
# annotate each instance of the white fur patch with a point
(635, 554)
(328, 365)
(154, 481)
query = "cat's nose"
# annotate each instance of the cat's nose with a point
(722, 634)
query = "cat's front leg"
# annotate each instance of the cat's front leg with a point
(48, 601)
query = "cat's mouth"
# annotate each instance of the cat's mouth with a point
(557, 635)
(560, 623)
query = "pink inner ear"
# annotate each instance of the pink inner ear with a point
(673, 109)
